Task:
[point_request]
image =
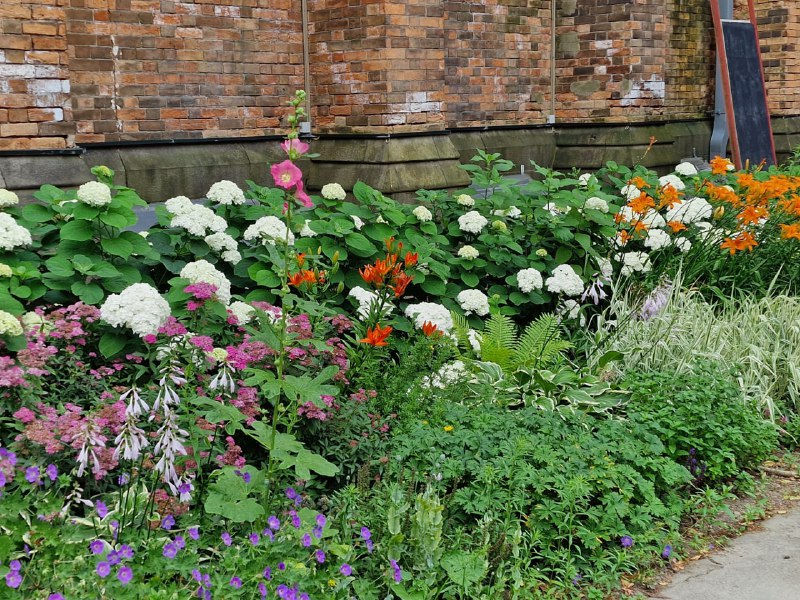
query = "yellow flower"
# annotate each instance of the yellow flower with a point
(541, 252)
(425, 422)
(331, 583)
(5, 270)
(448, 428)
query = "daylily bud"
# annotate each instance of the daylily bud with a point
(719, 212)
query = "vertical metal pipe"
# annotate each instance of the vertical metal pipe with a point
(551, 118)
(720, 134)
(306, 65)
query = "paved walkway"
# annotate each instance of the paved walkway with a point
(762, 565)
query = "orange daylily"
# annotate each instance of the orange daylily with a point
(743, 241)
(720, 166)
(306, 276)
(376, 336)
(399, 283)
(638, 182)
(642, 204)
(676, 226)
(669, 197)
(411, 259)
(429, 329)
(790, 231)
(624, 236)
(301, 259)
(752, 214)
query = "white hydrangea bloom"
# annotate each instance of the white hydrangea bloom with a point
(33, 321)
(225, 245)
(468, 252)
(475, 340)
(356, 221)
(430, 312)
(8, 198)
(366, 301)
(9, 324)
(202, 270)
(94, 193)
(12, 234)
(634, 262)
(585, 178)
(472, 222)
(178, 205)
(448, 374)
(333, 191)
(512, 212)
(690, 210)
(686, 169)
(473, 301)
(564, 280)
(651, 218)
(139, 307)
(630, 192)
(606, 268)
(595, 203)
(217, 224)
(422, 213)
(465, 200)
(5, 270)
(569, 309)
(269, 230)
(553, 209)
(225, 192)
(242, 311)
(683, 244)
(529, 280)
(673, 180)
(306, 231)
(657, 239)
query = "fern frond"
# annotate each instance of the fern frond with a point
(499, 341)
(540, 344)
(461, 331)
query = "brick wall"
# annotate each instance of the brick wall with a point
(34, 76)
(82, 71)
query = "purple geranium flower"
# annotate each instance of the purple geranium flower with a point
(170, 550)
(101, 508)
(398, 573)
(13, 579)
(55, 596)
(236, 582)
(267, 573)
(320, 556)
(346, 570)
(52, 472)
(306, 540)
(125, 574)
(274, 523)
(168, 522)
(97, 546)
(32, 475)
(254, 538)
(626, 541)
(125, 551)
(103, 569)
(114, 558)
(226, 538)
(194, 533)
(667, 551)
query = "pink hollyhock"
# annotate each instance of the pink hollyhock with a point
(302, 197)
(286, 174)
(294, 148)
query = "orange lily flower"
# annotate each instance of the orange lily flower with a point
(376, 336)
(400, 283)
(743, 241)
(676, 226)
(642, 204)
(429, 329)
(411, 259)
(720, 166)
(790, 231)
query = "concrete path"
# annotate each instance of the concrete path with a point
(762, 565)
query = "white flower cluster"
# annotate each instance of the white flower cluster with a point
(630, 192)
(529, 280)
(585, 178)
(366, 301)
(657, 239)
(357, 222)
(269, 230)
(8, 198)
(333, 191)
(512, 212)
(472, 222)
(553, 209)
(690, 210)
(652, 218)
(473, 301)
(466, 200)
(634, 262)
(686, 169)
(683, 244)
(475, 340)
(225, 192)
(94, 193)
(468, 252)
(9, 324)
(242, 311)
(306, 231)
(12, 235)
(139, 307)
(203, 271)
(672, 180)
(569, 309)
(225, 245)
(430, 312)
(447, 375)
(196, 219)
(565, 280)
(422, 214)
(595, 203)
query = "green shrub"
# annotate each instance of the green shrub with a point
(703, 420)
